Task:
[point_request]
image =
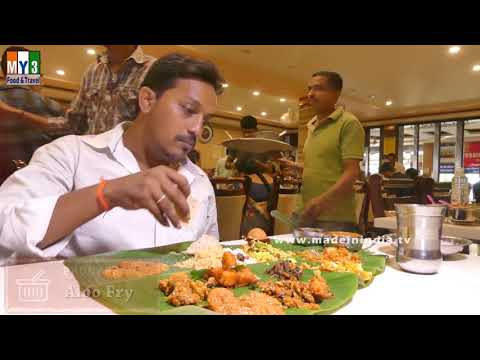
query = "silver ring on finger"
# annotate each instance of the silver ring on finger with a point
(161, 199)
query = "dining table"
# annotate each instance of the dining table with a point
(49, 287)
(471, 232)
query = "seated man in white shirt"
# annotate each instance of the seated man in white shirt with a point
(127, 188)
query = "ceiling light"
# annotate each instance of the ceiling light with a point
(256, 93)
(225, 85)
(263, 113)
(60, 72)
(91, 51)
(388, 102)
(476, 67)
(454, 50)
(239, 108)
(283, 100)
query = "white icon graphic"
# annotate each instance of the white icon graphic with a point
(34, 289)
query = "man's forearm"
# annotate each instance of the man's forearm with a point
(71, 211)
(30, 118)
(343, 186)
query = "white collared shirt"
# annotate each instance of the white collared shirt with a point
(29, 196)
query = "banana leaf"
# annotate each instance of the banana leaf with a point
(142, 296)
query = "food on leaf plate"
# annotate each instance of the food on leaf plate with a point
(257, 234)
(230, 275)
(182, 290)
(133, 269)
(295, 294)
(336, 259)
(286, 270)
(263, 252)
(223, 301)
(208, 252)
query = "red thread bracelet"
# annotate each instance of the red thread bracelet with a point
(101, 196)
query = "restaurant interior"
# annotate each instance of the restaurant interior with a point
(420, 103)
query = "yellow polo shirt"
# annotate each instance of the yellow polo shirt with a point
(339, 138)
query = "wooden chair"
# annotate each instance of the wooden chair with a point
(231, 206)
(284, 200)
(441, 191)
(375, 201)
(374, 191)
(423, 186)
(399, 187)
(228, 186)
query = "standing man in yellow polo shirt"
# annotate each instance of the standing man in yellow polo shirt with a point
(332, 154)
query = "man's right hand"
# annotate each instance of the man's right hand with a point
(161, 190)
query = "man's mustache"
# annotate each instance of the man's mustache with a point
(189, 139)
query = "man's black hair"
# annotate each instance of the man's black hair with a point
(412, 173)
(248, 122)
(4, 57)
(334, 79)
(386, 167)
(168, 69)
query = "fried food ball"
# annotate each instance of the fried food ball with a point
(228, 279)
(168, 285)
(319, 288)
(228, 260)
(216, 273)
(257, 234)
(246, 277)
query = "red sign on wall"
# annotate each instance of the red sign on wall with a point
(471, 155)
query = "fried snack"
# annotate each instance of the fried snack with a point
(257, 234)
(261, 304)
(241, 276)
(228, 260)
(246, 277)
(319, 288)
(181, 290)
(228, 275)
(228, 278)
(223, 301)
(295, 294)
(133, 269)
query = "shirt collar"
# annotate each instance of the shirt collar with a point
(138, 56)
(337, 114)
(110, 140)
